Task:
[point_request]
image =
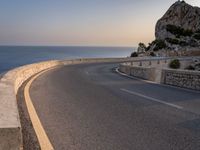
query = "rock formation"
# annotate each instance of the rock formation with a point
(180, 14)
(178, 30)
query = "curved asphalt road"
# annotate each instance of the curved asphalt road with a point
(90, 107)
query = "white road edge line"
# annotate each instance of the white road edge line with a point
(152, 99)
(147, 81)
(132, 77)
(43, 139)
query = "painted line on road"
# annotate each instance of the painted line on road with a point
(43, 139)
(152, 99)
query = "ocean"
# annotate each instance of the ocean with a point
(15, 56)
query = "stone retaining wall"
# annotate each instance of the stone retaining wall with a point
(147, 73)
(159, 63)
(181, 78)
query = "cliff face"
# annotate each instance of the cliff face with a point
(177, 31)
(180, 14)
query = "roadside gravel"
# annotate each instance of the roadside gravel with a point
(30, 141)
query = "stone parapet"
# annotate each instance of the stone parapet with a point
(10, 127)
(181, 78)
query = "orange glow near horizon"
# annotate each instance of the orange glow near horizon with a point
(126, 34)
(87, 23)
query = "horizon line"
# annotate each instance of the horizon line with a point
(17, 45)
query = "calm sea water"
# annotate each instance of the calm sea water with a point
(14, 56)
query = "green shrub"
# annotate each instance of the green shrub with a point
(197, 36)
(193, 43)
(198, 31)
(187, 32)
(175, 64)
(152, 54)
(178, 31)
(174, 29)
(159, 44)
(148, 48)
(134, 54)
(172, 41)
(142, 45)
(183, 43)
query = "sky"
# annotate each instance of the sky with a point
(80, 22)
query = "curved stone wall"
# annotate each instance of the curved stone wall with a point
(10, 127)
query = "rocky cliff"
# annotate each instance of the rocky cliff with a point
(177, 31)
(180, 15)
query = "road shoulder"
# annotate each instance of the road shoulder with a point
(30, 141)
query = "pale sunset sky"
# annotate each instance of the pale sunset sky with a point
(80, 22)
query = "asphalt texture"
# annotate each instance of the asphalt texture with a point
(91, 107)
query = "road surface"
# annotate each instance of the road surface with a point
(91, 107)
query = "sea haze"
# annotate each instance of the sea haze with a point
(14, 56)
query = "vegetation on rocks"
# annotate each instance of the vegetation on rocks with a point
(198, 31)
(134, 54)
(172, 41)
(141, 48)
(158, 44)
(142, 45)
(197, 36)
(175, 64)
(178, 31)
(183, 43)
(152, 54)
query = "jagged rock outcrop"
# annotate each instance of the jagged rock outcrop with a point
(180, 14)
(177, 32)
